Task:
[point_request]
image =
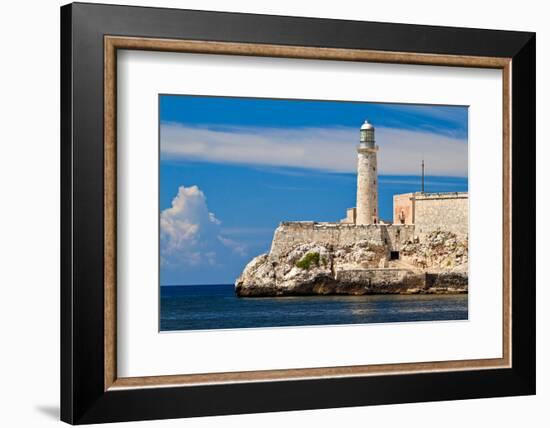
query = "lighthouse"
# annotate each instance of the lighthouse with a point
(367, 177)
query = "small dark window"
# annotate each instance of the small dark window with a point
(394, 255)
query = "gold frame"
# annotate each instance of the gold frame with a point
(113, 43)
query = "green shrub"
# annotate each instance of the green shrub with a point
(308, 260)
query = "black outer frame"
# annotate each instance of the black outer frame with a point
(83, 399)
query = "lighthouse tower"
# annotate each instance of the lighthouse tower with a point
(367, 177)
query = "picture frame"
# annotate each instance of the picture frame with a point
(91, 35)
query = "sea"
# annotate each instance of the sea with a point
(207, 307)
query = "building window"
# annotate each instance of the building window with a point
(402, 217)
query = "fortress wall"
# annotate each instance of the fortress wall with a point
(396, 235)
(403, 208)
(290, 234)
(441, 211)
(372, 276)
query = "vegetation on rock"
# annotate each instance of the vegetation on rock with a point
(308, 260)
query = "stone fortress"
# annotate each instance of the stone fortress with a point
(423, 250)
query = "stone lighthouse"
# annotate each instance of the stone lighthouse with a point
(367, 177)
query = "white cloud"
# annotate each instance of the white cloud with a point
(190, 235)
(328, 149)
(233, 245)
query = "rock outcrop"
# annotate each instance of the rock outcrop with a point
(438, 264)
(438, 251)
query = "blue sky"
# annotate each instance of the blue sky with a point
(232, 168)
(224, 112)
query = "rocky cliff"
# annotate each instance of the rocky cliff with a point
(438, 264)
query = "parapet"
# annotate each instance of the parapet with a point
(419, 196)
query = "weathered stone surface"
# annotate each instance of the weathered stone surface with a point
(367, 189)
(437, 250)
(437, 265)
(290, 234)
(433, 211)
